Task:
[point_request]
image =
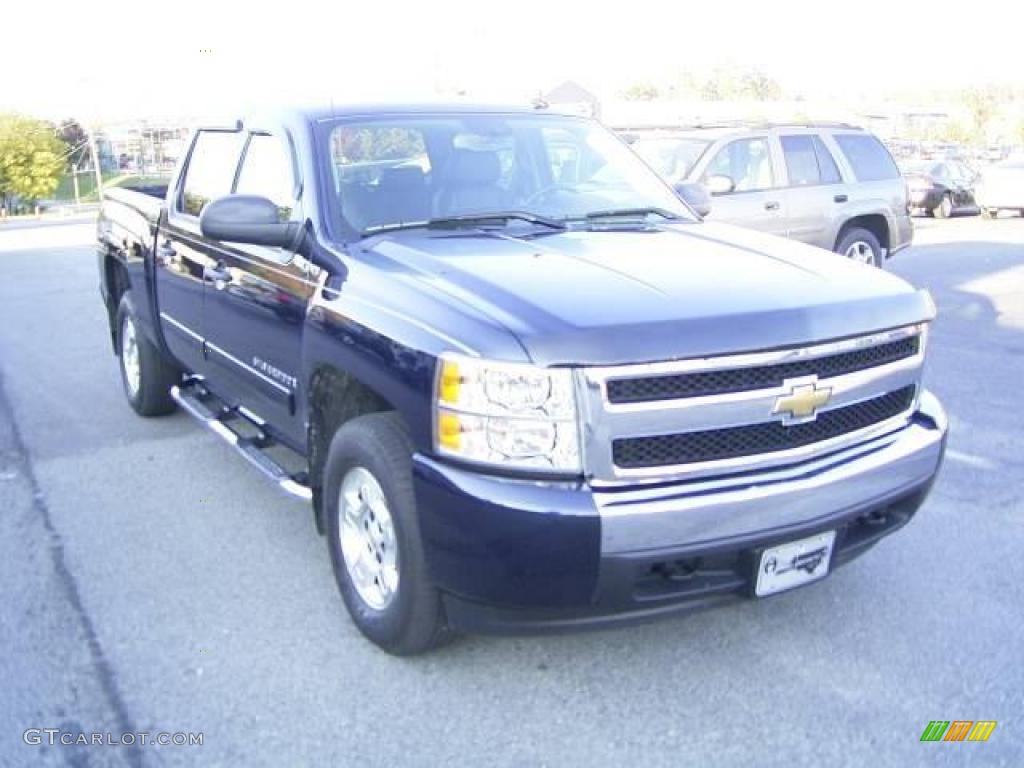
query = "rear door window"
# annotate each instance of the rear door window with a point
(267, 171)
(211, 169)
(826, 163)
(801, 160)
(867, 156)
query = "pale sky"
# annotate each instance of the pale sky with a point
(108, 60)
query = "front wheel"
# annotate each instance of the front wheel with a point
(146, 376)
(861, 245)
(373, 536)
(989, 213)
(945, 207)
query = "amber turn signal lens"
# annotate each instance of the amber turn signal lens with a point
(449, 431)
(450, 381)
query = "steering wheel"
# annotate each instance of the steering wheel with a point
(550, 188)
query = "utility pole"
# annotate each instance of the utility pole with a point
(94, 152)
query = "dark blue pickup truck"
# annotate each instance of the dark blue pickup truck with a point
(524, 386)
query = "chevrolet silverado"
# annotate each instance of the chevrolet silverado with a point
(523, 385)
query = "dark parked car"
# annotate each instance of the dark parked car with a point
(523, 386)
(941, 188)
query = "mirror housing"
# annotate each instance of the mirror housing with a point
(720, 184)
(694, 194)
(249, 219)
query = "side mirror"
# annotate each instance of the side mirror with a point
(694, 194)
(248, 219)
(720, 185)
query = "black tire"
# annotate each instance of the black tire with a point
(989, 213)
(857, 235)
(945, 207)
(413, 620)
(156, 375)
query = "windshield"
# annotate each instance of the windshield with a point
(402, 170)
(673, 158)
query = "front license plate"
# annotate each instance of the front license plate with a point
(794, 564)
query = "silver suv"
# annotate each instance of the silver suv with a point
(832, 185)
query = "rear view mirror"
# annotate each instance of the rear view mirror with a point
(248, 219)
(720, 185)
(694, 194)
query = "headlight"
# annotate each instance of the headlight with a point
(506, 414)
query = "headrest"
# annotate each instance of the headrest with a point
(478, 168)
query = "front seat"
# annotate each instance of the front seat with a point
(471, 184)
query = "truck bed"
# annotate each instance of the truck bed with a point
(146, 200)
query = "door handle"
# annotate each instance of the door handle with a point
(165, 253)
(841, 198)
(771, 205)
(219, 275)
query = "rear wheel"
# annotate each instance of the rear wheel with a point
(861, 245)
(990, 213)
(373, 536)
(146, 376)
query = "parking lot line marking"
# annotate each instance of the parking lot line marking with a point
(969, 458)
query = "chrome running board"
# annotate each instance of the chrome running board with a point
(197, 402)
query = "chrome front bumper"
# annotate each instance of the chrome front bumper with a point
(718, 509)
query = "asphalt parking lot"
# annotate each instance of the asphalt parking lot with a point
(151, 582)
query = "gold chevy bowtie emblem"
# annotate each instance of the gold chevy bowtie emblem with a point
(803, 401)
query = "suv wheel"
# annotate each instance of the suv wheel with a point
(945, 207)
(147, 377)
(373, 536)
(861, 245)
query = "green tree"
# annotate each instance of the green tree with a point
(641, 92)
(758, 86)
(31, 158)
(730, 82)
(982, 102)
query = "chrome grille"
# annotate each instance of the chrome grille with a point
(713, 416)
(697, 384)
(753, 439)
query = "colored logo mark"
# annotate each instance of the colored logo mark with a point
(958, 730)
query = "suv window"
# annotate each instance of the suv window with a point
(808, 161)
(801, 160)
(211, 169)
(826, 163)
(869, 159)
(747, 162)
(267, 171)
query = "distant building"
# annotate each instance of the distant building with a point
(144, 148)
(572, 97)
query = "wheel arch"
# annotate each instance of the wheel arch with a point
(875, 223)
(334, 398)
(116, 283)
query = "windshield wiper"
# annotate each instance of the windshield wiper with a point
(466, 220)
(500, 217)
(611, 213)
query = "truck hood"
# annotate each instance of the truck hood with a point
(686, 290)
